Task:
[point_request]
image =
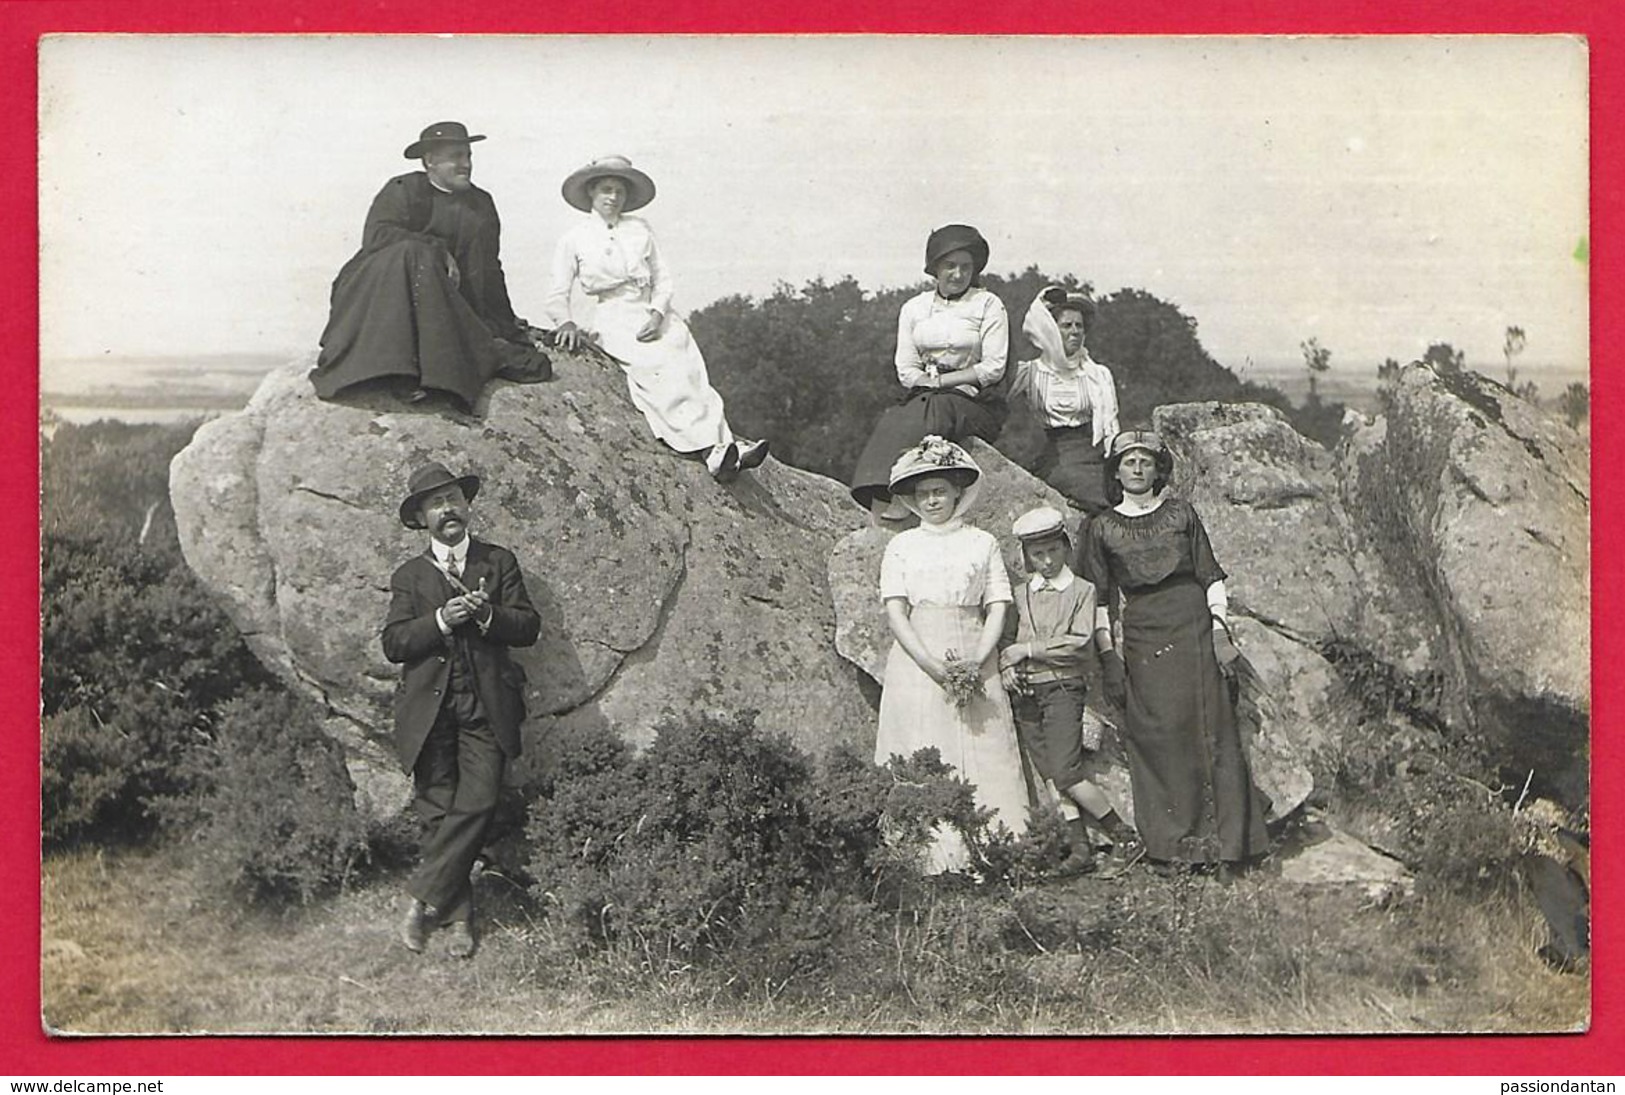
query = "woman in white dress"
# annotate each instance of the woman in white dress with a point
(946, 593)
(612, 256)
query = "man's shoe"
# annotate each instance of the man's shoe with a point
(751, 455)
(415, 925)
(461, 933)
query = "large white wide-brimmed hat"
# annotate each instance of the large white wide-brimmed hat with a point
(640, 189)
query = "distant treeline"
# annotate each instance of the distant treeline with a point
(811, 368)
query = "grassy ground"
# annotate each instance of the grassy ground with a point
(130, 945)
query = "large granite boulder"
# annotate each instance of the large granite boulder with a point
(661, 592)
(1477, 504)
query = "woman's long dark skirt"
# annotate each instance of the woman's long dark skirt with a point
(1194, 797)
(1073, 464)
(948, 414)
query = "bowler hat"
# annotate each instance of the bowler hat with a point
(955, 237)
(440, 133)
(640, 189)
(431, 477)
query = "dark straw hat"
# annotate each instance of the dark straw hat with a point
(440, 133)
(640, 189)
(429, 478)
(955, 237)
(1058, 299)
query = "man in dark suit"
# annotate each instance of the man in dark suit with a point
(424, 301)
(453, 612)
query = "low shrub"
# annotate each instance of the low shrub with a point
(135, 655)
(717, 840)
(270, 805)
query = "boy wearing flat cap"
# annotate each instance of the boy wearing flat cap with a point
(1043, 670)
(454, 611)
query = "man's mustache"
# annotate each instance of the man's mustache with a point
(451, 515)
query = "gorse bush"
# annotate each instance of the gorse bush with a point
(154, 708)
(134, 655)
(269, 801)
(719, 841)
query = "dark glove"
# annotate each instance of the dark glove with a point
(1224, 647)
(1113, 678)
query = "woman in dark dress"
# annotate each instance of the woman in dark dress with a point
(952, 342)
(1194, 797)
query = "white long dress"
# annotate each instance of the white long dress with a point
(619, 267)
(950, 574)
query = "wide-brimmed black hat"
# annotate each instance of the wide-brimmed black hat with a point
(956, 237)
(429, 478)
(640, 188)
(440, 133)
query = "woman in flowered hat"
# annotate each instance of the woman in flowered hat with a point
(1194, 797)
(946, 593)
(612, 256)
(952, 342)
(1072, 395)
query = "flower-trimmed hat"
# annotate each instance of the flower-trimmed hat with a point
(933, 456)
(431, 477)
(955, 237)
(640, 189)
(936, 456)
(440, 133)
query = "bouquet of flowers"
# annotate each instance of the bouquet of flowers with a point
(964, 680)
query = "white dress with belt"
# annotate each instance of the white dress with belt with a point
(619, 268)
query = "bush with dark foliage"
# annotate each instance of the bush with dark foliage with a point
(719, 841)
(270, 803)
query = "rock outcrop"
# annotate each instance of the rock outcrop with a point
(1445, 544)
(1476, 505)
(661, 592)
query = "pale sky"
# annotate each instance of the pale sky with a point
(197, 195)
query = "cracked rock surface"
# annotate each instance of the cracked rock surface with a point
(661, 592)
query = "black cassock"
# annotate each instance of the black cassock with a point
(395, 311)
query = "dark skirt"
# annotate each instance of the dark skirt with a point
(1194, 797)
(924, 411)
(395, 313)
(1073, 464)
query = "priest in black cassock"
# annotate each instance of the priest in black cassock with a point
(424, 301)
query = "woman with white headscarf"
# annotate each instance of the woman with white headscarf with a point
(1072, 395)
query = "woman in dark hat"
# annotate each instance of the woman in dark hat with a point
(952, 341)
(612, 256)
(1194, 797)
(1073, 396)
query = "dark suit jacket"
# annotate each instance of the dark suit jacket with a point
(412, 638)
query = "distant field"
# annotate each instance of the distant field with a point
(148, 389)
(151, 389)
